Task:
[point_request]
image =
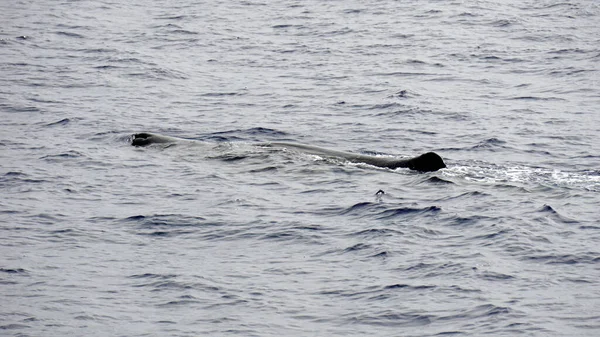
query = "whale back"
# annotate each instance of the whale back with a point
(427, 162)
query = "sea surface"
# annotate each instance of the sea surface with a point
(220, 236)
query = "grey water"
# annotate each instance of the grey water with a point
(222, 237)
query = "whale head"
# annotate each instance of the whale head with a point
(143, 139)
(427, 162)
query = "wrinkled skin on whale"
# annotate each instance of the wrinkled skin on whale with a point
(428, 162)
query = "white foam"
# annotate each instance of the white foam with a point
(492, 174)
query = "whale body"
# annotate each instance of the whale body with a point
(427, 162)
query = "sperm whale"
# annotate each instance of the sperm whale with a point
(428, 162)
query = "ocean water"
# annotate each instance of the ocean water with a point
(220, 236)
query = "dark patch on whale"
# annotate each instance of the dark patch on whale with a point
(428, 162)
